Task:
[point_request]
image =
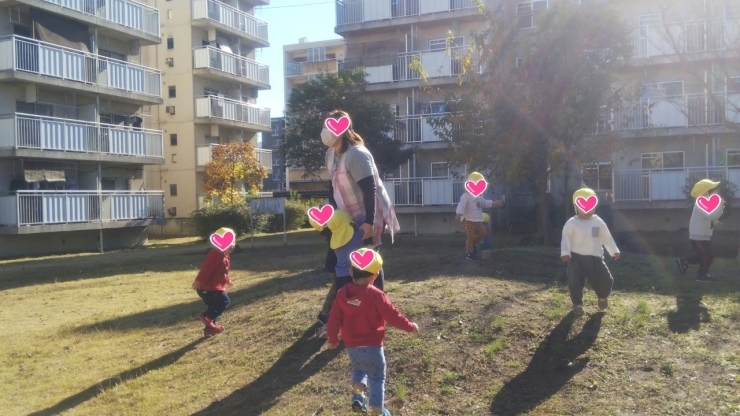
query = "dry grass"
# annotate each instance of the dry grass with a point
(116, 334)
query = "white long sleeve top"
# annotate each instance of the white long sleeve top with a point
(471, 207)
(587, 237)
(701, 225)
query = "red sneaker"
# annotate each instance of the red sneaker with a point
(208, 332)
(207, 322)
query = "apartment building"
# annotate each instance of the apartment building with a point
(274, 142)
(211, 82)
(303, 62)
(76, 92)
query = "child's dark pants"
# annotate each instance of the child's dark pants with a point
(702, 255)
(217, 302)
(592, 268)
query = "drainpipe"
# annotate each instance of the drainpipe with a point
(100, 204)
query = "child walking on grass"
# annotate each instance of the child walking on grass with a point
(582, 247)
(470, 211)
(211, 283)
(360, 312)
(701, 228)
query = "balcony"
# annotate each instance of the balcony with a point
(129, 19)
(308, 68)
(436, 64)
(424, 191)
(78, 210)
(214, 63)
(232, 113)
(656, 38)
(665, 184)
(416, 128)
(359, 12)
(38, 136)
(28, 60)
(224, 17)
(689, 110)
(204, 153)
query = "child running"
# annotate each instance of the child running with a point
(470, 210)
(360, 312)
(211, 284)
(701, 228)
(584, 238)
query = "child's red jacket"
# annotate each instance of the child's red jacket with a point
(214, 273)
(361, 313)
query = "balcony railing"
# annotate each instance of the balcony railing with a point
(128, 13)
(231, 17)
(294, 68)
(28, 131)
(210, 57)
(67, 207)
(666, 184)
(361, 11)
(690, 110)
(424, 191)
(662, 38)
(204, 155)
(313, 67)
(436, 64)
(29, 55)
(416, 128)
(231, 110)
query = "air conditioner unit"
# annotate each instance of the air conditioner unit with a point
(170, 62)
(172, 211)
(170, 109)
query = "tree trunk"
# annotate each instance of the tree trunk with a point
(543, 209)
(566, 194)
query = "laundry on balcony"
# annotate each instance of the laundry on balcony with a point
(44, 175)
(55, 29)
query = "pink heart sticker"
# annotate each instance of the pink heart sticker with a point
(322, 215)
(338, 127)
(587, 204)
(709, 204)
(362, 260)
(222, 242)
(476, 188)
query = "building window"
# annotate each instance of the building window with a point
(440, 170)
(172, 91)
(597, 176)
(733, 158)
(210, 92)
(316, 54)
(173, 140)
(527, 12)
(436, 45)
(174, 158)
(276, 129)
(169, 13)
(733, 85)
(438, 107)
(663, 160)
(173, 190)
(170, 43)
(663, 89)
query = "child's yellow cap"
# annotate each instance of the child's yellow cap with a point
(341, 228)
(475, 176)
(315, 225)
(486, 218)
(583, 193)
(702, 187)
(362, 257)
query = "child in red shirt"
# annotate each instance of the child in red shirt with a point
(211, 284)
(360, 311)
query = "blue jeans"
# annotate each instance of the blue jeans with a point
(368, 363)
(216, 301)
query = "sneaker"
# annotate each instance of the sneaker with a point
(603, 304)
(209, 332)
(358, 403)
(324, 333)
(323, 318)
(470, 256)
(207, 322)
(578, 310)
(682, 264)
(706, 279)
(386, 412)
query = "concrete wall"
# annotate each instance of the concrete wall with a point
(13, 246)
(177, 227)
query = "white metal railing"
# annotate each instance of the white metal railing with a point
(416, 128)
(666, 184)
(29, 55)
(64, 207)
(231, 17)
(424, 191)
(28, 131)
(232, 110)
(659, 38)
(204, 155)
(210, 57)
(129, 13)
(360, 11)
(294, 68)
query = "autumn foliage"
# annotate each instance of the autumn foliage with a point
(233, 169)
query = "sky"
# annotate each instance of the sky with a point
(287, 21)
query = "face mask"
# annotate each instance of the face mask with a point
(328, 138)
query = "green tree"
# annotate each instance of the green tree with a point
(373, 120)
(532, 106)
(233, 168)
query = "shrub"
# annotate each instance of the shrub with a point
(234, 216)
(295, 218)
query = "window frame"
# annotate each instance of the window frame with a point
(599, 176)
(531, 13)
(659, 87)
(313, 53)
(446, 167)
(662, 160)
(732, 152)
(170, 44)
(173, 139)
(172, 91)
(174, 194)
(435, 43)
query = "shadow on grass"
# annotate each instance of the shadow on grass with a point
(109, 383)
(550, 368)
(690, 313)
(174, 314)
(292, 368)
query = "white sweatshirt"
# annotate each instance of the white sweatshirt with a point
(586, 237)
(471, 207)
(702, 224)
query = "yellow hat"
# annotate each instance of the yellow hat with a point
(342, 230)
(374, 266)
(486, 218)
(475, 176)
(221, 232)
(702, 187)
(315, 225)
(583, 193)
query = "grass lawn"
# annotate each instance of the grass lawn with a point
(117, 334)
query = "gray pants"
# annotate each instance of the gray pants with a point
(592, 268)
